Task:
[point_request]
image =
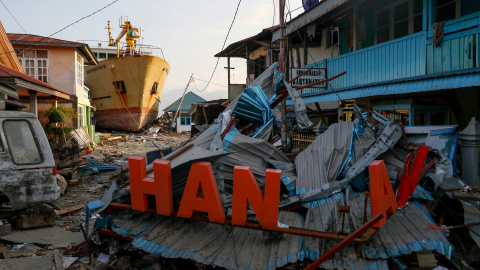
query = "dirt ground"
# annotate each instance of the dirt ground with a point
(84, 187)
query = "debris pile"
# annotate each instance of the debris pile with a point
(326, 194)
(365, 194)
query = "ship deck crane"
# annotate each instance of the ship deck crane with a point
(132, 33)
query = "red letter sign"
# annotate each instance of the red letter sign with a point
(201, 177)
(245, 189)
(141, 186)
(383, 198)
(411, 176)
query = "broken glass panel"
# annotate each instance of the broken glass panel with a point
(21, 141)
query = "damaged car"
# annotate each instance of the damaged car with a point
(27, 167)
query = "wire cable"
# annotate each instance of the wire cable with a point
(13, 16)
(313, 59)
(197, 79)
(218, 59)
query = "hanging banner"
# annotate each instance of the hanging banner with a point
(312, 76)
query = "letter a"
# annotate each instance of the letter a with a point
(245, 189)
(160, 185)
(201, 177)
(381, 192)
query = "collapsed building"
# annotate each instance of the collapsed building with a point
(326, 195)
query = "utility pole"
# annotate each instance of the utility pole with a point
(229, 87)
(283, 105)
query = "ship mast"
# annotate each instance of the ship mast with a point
(132, 34)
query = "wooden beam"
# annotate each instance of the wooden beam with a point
(70, 209)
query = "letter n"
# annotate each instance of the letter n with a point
(381, 192)
(245, 189)
(160, 185)
(201, 178)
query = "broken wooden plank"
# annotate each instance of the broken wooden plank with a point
(70, 209)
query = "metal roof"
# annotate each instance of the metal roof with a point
(189, 99)
(238, 49)
(211, 243)
(406, 231)
(309, 16)
(35, 40)
(10, 77)
(424, 83)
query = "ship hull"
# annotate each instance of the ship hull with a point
(126, 91)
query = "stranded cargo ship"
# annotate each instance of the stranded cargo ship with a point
(126, 89)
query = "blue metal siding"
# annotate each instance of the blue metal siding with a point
(425, 83)
(391, 60)
(452, 54)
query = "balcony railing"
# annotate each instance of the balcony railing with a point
(409, 56)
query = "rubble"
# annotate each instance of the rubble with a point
(326, 196)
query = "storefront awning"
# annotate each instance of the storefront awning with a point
(424, 83)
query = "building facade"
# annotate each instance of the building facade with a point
(415, 61)
(59, 63)
(180, 108)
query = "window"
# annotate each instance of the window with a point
(397, 20)
(34, 62)
(21, 141)
(447, 10)
(154, 90)
(79, 69)
(111, 55)
(80, 116)
(120, 87)
(185, 119)
(102, 55)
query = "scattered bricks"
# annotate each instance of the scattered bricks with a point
(35, 217)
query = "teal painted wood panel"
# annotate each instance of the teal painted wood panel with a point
(452, 54)
(478, 50)
(396, 59)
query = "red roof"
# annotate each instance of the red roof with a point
(6, 72)
(28, 39)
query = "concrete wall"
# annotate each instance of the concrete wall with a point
(183, 128)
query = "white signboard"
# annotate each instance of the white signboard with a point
(312, 76)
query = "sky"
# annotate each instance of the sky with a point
(189, 32)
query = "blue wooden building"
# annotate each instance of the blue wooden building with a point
(416, 61)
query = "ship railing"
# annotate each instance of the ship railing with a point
(142, 50)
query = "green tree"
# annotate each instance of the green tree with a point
(55, 129)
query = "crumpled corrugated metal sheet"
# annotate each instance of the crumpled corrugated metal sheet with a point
(320, 163)
(472, 214)
(405, 232)
(254, 106)
(242, 150)
(389, 134)
(213, 244)
(300, 108)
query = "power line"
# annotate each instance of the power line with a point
(218, 59)
(13, 16)
(38, 42)
(197, 79)
(81, 19)
(43, 38)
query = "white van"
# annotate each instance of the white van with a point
(27, 167)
